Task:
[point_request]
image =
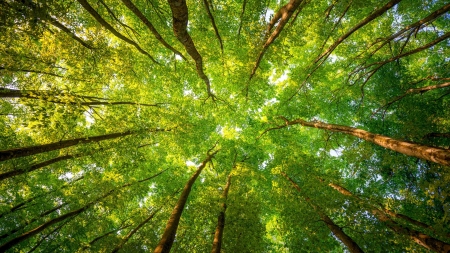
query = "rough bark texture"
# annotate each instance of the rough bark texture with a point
(352, 246)
(218, 235)
(434, 154)
(165, 244)
(283, 15)
(180, 21)
(133, 231)
(105, 24)
(416, 236)
(150, 26)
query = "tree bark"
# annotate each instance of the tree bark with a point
(150, 26)
(165, 244)
(283, 15)
(133, 231)
(218, 235)
(418, 237)
(180, 20)
(434, 154)
(213, 22)
(352, 246)
(105, 24)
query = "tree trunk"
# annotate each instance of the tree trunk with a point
(417, 236)
(434, 154)
(105, 24)
(218, 235)
(102, 236)
(33, 150)
(17, 172)
(180, 21)
(133, 231)
(150, 26)
(352, 246)
(165, 244)
(40, 228)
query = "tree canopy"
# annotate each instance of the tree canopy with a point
(224, 126)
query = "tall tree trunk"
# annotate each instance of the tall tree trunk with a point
(180, 21)
(105, 24)
(68, 215)
(165, 244)
(33, 150)
(434, 154)
(352, 246)
(218, 235)
(133, 231)
(150, 26)
(416, 236)
(37, 166)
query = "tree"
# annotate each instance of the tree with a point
(97, 97)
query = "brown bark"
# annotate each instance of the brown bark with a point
(150, 26)
(105, 24)
(46, 236)
(283, 15)
(416, 236)
(213, 22)
(434, 154)
(165, 244)
(133, 231)
(180, 19)
(352, 246)
(218, 235)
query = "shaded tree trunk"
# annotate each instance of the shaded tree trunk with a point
(68, 215)
(434, 154)
(218, 235)
(150, 26)
(180, 21)
(33, 150)
(416, 236)
(352, 246)
(105, 24)
(165, 244)
(133, 231)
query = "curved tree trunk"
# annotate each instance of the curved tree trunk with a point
(180, 21)
(352, 246)
(434, 154)
(218, 235)
(416, 236)
(165, 244)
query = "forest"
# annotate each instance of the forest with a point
(226, 126)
